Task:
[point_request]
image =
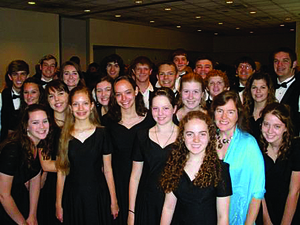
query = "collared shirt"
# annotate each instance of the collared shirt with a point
(16, 101)
(45, 81)
(241, 92)
(280, 92)
(146, 95)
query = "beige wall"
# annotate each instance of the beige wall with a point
(27, 35)
(73, 40)
(108, 33)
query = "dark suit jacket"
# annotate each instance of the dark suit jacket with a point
(9, 116)
(291, 98)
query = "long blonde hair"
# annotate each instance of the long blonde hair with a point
(62, 162)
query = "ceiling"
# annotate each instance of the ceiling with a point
(191, 15)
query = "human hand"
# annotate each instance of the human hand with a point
(130, 220)
(114, 210)
(31, 220)
(59, 213)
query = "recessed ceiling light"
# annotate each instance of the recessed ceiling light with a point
(251, 32)
(118, 16)
(87, 10)
(229, 2)
(288, 19)
(199, 30)
(292, 29)
(215, 33)
(178, 26)
(31, 3)
(198, 17)
(253, 12)
(168, 9)
(152, 21)
(282, 25)
(237, 28)
(138, 2)
(220, 23)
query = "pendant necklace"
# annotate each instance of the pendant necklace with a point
(222, 142)
(168, 138)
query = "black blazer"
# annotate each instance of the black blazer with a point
(291, 98)
(10, 117)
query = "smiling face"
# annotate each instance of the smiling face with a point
(244, 71)
(125, 94)
(215, 85)
(113, 69)
(196, 136)
(31, 93)
(167, 76)
(48, 69)
(58, 100)
(17, 79)
(70, 76)
(162, 110)
(142, 73)
(273, 129)
(226, 117)
(259, 90)
(283, 65)
(181, 62)
(38, 126)
(81, 106)
(191, 94)
(103, 92)
(202, 67)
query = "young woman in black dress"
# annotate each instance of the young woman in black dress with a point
(282, 166)
(191, 95)
(128, 116)
(57, 94)
(194, 178)
(259, 92)
(20, 168)
(103, 91)
(150, 153)
(85, 194)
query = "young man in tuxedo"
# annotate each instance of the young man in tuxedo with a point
(15, 76)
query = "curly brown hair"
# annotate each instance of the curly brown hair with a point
(210, 170)
(282, 112)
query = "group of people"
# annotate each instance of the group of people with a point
(150, 145)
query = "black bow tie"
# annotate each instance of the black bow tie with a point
(15, 96)
(284, 84)
(43, 82)
(241, 89)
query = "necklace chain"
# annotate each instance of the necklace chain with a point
(168, 138)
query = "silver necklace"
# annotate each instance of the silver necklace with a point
(168, 138)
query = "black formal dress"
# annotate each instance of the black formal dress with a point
(278, 177)
(197, 205)
(46, 206)
(86, 198)
(150, 197)
(12, 163)
(123, 139)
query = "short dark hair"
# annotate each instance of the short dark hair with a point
(170, 63)
(15, 66)
(179, 51)
(142, 60)
(48, 57)
(291, 53)
(245, 59)
(205, 57)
